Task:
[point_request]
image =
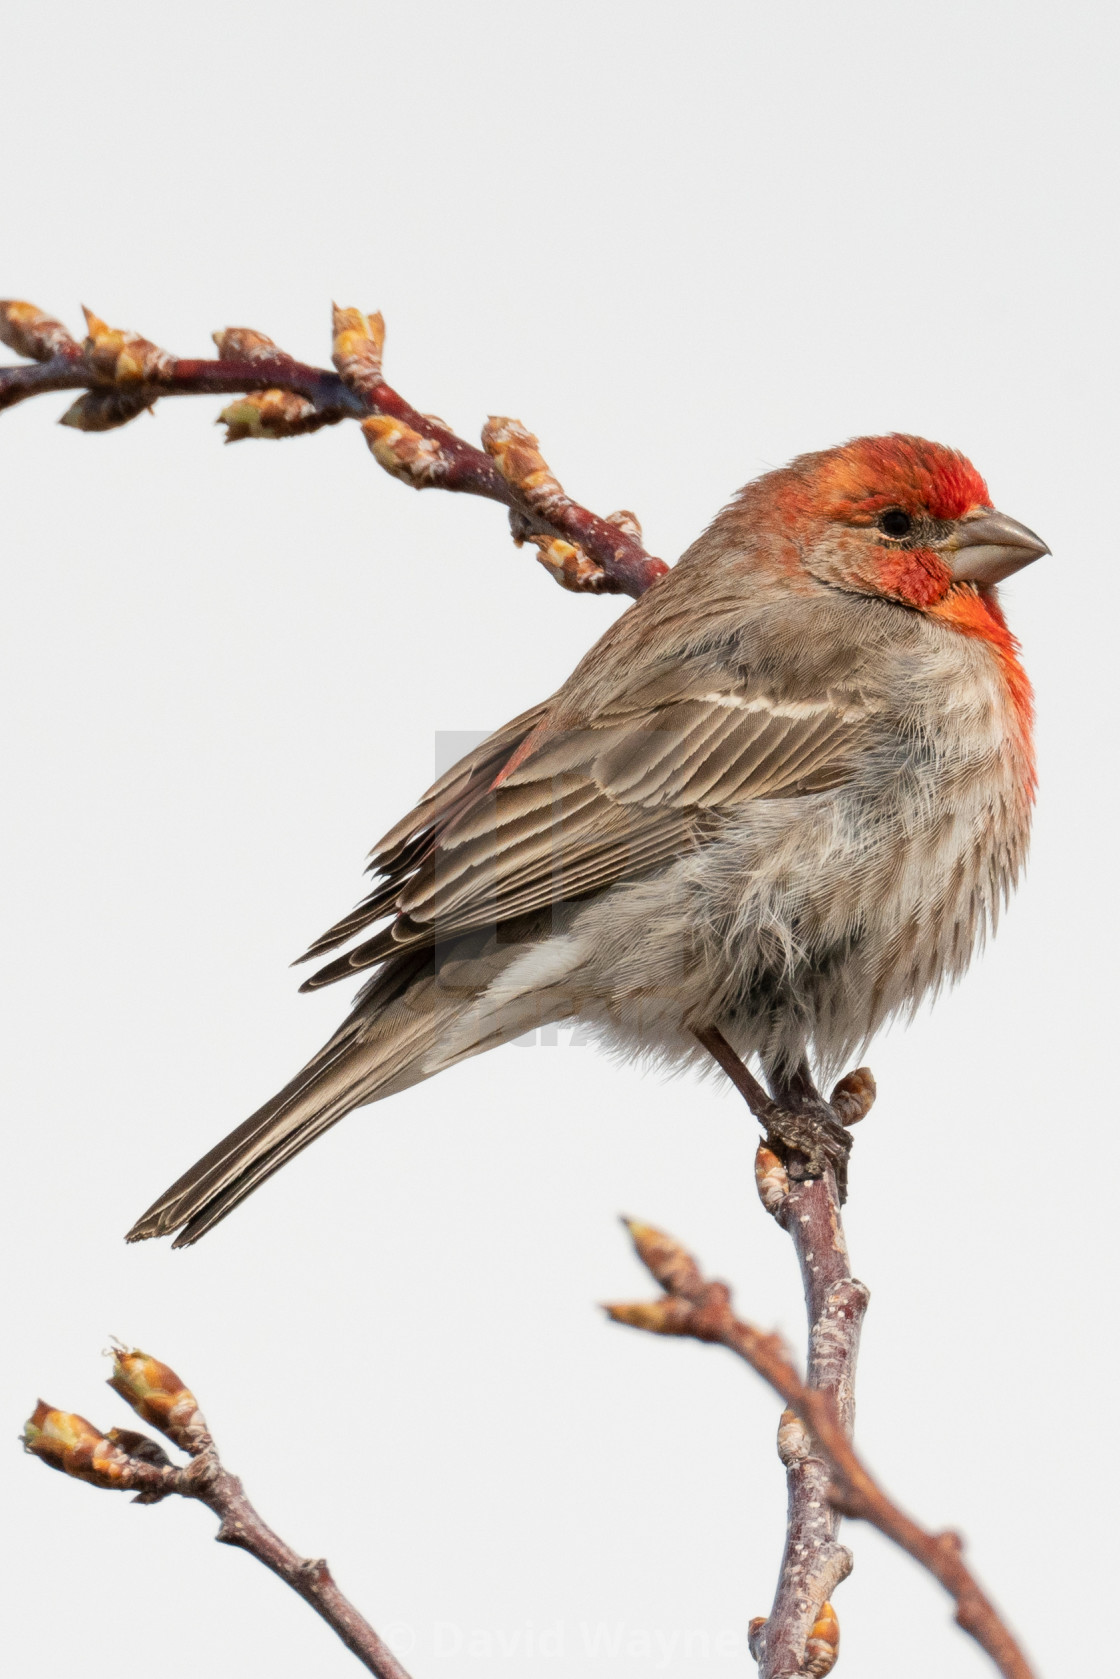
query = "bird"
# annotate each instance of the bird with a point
(782, 800)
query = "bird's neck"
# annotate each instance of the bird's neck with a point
(977, 613)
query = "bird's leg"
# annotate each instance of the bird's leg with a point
(806, 1132)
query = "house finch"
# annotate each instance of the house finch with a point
(780, 800)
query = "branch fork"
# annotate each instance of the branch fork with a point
(826, 1479)
(124, 1460)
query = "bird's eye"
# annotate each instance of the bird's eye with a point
(894, 522)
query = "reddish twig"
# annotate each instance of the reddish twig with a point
(817, 1419)
(130, 1462)
(123, 374)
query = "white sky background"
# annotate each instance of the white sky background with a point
(683, 244)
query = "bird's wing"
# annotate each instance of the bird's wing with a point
(574, 809)
(398, 852)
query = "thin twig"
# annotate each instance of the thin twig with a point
(801, 1635)
(127, 1461)
(693, 1306)
(123, 374)
(813, 1561)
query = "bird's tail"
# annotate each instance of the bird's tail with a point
(417, 1018)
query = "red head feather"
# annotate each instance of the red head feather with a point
(860, 478)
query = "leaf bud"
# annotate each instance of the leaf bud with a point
(270, 414)
(70, 1443)
(29, 331)
(515, 452)
(124, 357)
(158, 1395)
(358, 341)
(407, 454)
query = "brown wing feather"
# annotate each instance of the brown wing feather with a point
(524, 822)
(400, 851)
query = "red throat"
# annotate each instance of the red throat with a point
(977, 613)
(917, 576)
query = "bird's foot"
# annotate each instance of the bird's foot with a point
(809, 1134)
(808, 1141)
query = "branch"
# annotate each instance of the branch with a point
(801, 1634)
(130, 1462)
(813, 1561)
(815, 1427)
(123, 374)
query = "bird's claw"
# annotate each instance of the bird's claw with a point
(813, 1135)
(809, 1141)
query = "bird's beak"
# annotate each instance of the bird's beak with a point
(986, 547)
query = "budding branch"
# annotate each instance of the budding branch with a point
(124, 374)
(826, 1476)
(121, 375)
(126, 1461)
